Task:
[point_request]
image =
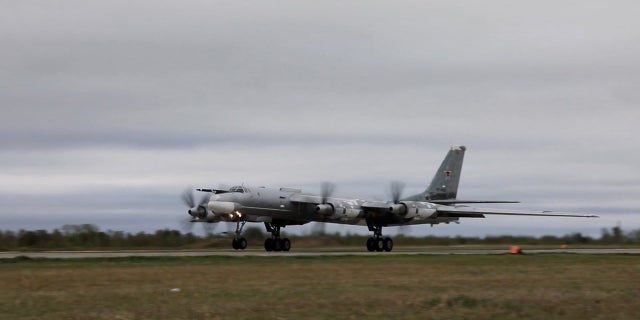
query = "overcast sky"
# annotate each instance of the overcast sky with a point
(110, 109)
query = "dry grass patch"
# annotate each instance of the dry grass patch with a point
(404, 287)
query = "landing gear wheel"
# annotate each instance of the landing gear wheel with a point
(379, 244)
(242, 243)
(286, 244)
(371, 244)
(277, 244)
(268, 245)
(239, 244)
(387, 244)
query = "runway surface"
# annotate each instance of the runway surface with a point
(297, 253)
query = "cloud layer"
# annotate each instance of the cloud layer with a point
(110, 110)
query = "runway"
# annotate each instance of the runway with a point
(298, 253)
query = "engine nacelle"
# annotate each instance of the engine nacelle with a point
(325, 209)
(419, 210)
(398, 208)
(344, 211)
(199, 212)
(352, 213)
(219, 207)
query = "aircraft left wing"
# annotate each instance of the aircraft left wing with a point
(442, 210)
(469, 212)
(216, 191)
(305, 198)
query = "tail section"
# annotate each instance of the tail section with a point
(444, 185)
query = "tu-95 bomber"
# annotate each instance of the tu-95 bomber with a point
(281, 207)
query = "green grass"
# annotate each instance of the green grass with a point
(558, 286)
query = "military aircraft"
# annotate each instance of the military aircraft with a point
(281, 207)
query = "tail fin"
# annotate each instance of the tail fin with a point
(444, 184)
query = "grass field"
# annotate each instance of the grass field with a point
(381, 286)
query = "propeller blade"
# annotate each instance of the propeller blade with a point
(204, 200)
(208, 228)
(195, 209)
(396, 191)
(318, 228)
(326, 190)
(188, 198)
(186, 225)
(404, 230)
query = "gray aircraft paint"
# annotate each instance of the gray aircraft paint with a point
(444, 184)
(286, 206)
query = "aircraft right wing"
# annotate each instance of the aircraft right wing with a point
(455, 201)
(469, 212)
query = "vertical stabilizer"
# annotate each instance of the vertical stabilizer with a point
(444, 184)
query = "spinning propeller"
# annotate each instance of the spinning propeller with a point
(197, 210)
(396, 189)
(326, 191)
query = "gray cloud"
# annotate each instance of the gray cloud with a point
(119, 98)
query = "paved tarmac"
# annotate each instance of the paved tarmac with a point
(296, 253)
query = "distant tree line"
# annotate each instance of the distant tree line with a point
(613, 236)
(88, 236)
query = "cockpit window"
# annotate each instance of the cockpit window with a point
(237, 189)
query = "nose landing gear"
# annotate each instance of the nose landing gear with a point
(239, 242)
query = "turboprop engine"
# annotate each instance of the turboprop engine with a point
(230, 211)
(398, 209)
(413, 209)
(219, 207)
(325, 209)
(341, 210)
(199, 212)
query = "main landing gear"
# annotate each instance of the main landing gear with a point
(275, 243)
(239, 242)
(377, 242)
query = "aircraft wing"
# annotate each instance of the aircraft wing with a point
(216, 191)
(454, 201)
(305, 198)
(469, 212)
(374, 205)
